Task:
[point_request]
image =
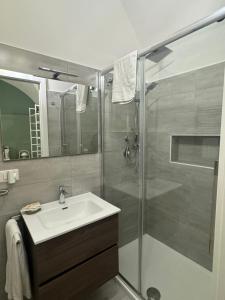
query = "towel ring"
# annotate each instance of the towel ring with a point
(3, 192)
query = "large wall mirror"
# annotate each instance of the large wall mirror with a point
(42, 117)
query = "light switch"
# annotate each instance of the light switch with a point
(4, 175)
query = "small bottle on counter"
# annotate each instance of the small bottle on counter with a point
(6, 153)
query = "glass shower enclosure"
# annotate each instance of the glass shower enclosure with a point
(167, 186)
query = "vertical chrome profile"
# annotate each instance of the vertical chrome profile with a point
(62, 125)
(101, 130)
(141, 168)
(98, 85)
(79, 135)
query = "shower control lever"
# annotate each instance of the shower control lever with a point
(127, 152)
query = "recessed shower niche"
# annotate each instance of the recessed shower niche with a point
(197, 150)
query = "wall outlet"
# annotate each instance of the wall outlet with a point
(4, 175)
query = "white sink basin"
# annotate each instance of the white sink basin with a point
(55, 219)
(68, 213)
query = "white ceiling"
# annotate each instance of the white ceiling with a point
(95, 33)
(154, 21)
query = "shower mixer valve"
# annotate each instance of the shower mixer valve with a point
(127, 153)
(130, 148)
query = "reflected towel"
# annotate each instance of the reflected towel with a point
(17, 275)
(81, 100)
(124, 78)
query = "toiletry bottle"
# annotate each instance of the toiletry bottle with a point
(6, 153)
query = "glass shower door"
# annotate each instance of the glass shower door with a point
(183, 106)
(120, 169)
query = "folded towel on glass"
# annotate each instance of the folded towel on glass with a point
(125, 78)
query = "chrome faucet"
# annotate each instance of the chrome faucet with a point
(62, 193)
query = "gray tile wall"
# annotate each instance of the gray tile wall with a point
(39, 180)
(180, 198)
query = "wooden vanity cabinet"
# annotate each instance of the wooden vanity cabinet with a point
(76, 263)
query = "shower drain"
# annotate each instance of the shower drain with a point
(153, 294)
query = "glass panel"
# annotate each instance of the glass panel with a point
(183, 118)
(121, 176)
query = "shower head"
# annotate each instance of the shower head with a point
(72, 88)
(157, 55)
(69, 90)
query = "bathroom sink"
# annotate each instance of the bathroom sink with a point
(55, 219)
(68, 213)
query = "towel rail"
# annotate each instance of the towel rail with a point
(3, 192)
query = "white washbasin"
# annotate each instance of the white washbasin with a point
(68, 213)
(55, 219)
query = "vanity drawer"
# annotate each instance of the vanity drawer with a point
(83, 279)
(58, 255)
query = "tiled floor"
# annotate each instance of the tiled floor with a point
(110, 291)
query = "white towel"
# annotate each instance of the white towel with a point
(81, 99)
(17, 275)
(124, 78)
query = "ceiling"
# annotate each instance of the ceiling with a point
(95, 33)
